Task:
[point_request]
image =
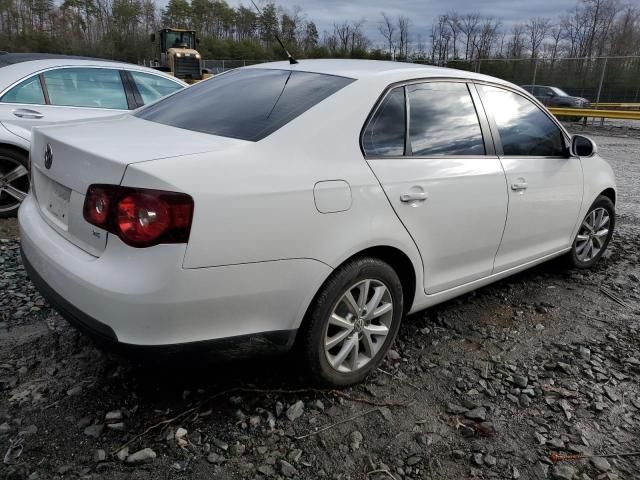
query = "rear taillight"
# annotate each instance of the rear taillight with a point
(141, 217)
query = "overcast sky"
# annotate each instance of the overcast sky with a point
(421, 12)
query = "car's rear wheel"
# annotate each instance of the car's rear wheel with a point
(352, 322)
(14, 181)
(594, 233)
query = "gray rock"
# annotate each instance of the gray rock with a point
(611, 393)
(295, 411)
(237, 449)
(215, 458)
(355, 440)
(113, 416)
(520, 381)
(555, 443)
(585, 353)
(563, 472)
(122, 454)
(99, 456)
(479, 414)
(601, 464)
(267, 470)
(287, 469)
(141, 456)
(478, 459)
(94, 430)
(456, 409)
(490, 460)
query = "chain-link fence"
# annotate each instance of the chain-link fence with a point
(219, 66)
(602, 79)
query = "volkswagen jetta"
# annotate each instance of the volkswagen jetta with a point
(313, 204)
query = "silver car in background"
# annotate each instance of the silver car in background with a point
(40, 89)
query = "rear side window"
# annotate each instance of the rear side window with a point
(385, 133)
(248, 104)
(28, 91)
(443, 120)
(86, 87)
(523, 128)
(153, 87)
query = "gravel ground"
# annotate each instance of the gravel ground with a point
(496, 384)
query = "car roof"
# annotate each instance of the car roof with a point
(11, 58)
(16, 66)
(361, 69)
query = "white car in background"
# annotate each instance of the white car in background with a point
(41, 89)
(313, 204)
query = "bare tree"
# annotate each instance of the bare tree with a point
(387, 29)
(469, 27)
(453, 21)
(537, 30)
(403, 36)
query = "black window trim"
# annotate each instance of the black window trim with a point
(488, 139)
(129, 89)
(527, 96)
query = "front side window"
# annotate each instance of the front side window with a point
(248, 104)
(443, 120)
(28, 91)
(153, 87)
(524, 129)
(86, 87)
(385, 133)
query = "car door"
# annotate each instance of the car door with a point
(545, 181)
(429, 148)
(63, 94)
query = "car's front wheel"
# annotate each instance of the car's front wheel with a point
(14, 181)
(352, 322)
(594, 233)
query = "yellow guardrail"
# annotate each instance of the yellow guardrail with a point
(619, 105)
(595, 113)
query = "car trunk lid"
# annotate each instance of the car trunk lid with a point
(65, 160)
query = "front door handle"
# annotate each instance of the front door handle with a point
(26, 113)
(413, 197)
(518, 187)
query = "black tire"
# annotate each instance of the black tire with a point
(573, 256)
(10, 159)
(311, 340)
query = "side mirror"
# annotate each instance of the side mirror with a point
(152, 37)
(550, 94)
(583, 146)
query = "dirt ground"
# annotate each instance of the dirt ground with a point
(496, 384)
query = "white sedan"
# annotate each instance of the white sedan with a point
(313, 204)
(41, 89)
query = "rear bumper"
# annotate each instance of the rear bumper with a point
(143, 297)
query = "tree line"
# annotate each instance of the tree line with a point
(120, 29)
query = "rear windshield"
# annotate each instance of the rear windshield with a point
(248, 104)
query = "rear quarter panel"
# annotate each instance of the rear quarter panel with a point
(256, 203)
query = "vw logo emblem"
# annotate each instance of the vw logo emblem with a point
(48, 156)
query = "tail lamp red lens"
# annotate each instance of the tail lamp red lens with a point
(140, 217)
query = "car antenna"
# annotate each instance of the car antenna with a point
(292, 60)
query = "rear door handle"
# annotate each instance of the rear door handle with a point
(517, 187)
(413, 197)
(26, 113)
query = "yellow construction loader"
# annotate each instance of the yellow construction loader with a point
(175, 52)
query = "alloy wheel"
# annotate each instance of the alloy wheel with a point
(14, 183)
(592, 235)
(358, 325)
